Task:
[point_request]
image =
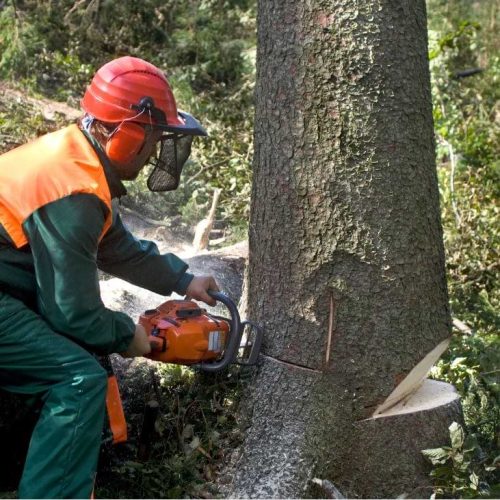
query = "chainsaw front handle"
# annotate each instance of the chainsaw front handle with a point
(235, 333)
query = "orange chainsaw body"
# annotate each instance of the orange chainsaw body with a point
(181, 332)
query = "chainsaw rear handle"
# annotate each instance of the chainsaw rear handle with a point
(236, 331)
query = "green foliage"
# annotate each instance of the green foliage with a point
(458, 471)
(206, 48)
(31, 51)
(21, 120)
(195, 430)
(468, 132)
(471, 365)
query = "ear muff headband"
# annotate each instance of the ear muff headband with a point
(125, 142)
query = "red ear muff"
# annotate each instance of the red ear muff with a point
(125, 142)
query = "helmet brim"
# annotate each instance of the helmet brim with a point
(191, 126)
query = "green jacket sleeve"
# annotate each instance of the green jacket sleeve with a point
(64, 237)
(140, 262)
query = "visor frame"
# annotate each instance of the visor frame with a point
(191, 126)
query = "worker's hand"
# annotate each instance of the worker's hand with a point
(199, 287)
(140, 344)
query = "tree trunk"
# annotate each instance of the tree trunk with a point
(346, 270)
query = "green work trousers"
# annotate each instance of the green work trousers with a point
(64, 448)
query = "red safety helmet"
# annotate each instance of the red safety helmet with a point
(129, 92)
(129, 88)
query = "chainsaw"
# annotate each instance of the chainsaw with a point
(182, 333)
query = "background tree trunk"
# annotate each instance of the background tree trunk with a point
(346, 268)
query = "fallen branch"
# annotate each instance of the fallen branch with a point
(453, 163)
(204, 169)
(462, 327)
(153, 222)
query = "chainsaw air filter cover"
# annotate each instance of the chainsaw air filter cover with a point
(182, 333)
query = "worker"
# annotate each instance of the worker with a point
(59, 224)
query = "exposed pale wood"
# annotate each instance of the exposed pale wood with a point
(414, 379)
(203, 228)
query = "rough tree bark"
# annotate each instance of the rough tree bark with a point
(346, 268)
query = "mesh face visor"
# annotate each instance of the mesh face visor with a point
(172, 153)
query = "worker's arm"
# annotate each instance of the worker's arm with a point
(140, 262)
(64, 237)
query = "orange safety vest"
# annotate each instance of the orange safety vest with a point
(45, 170)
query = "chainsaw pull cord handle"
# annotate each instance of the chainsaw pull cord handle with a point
(235, 334)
